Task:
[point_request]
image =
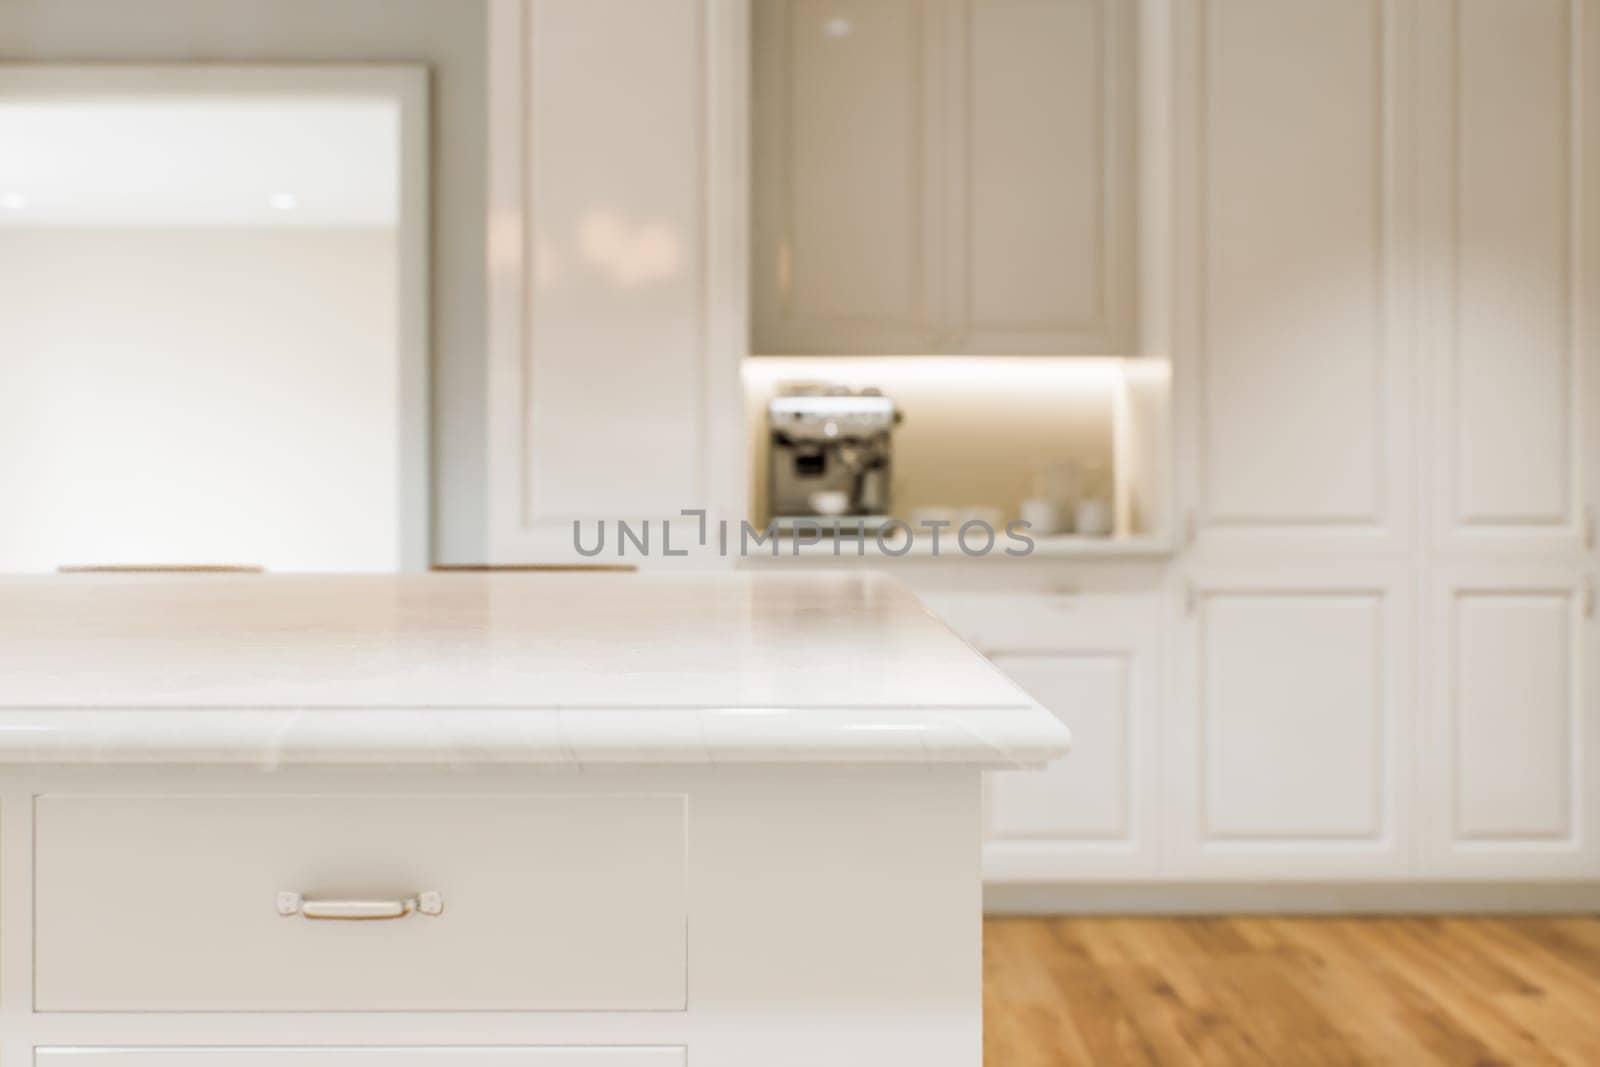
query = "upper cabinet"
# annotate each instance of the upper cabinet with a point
(943, 176)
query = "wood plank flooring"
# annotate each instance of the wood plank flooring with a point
(1291, 991)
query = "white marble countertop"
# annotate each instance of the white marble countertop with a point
(558, 669)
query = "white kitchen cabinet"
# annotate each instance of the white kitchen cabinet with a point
(1511, 745)
(1508, 167)
(1291, 726)
(943, 176)
(1385, 584)
(1092, 659)
(844, 112)
(1507, 160)
(614, 384)
(590, 811)
(854, 901)
(1293, 360)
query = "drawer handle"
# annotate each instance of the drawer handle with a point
(292, 904)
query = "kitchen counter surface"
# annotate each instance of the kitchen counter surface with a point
(552, 669)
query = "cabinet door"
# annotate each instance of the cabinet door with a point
(1288, 743)
(1511, 748)
(613, 379)
(1042, 226)
(1092, 660)
(1291, 310)
(943, 176)
(845, 258)
(1506, 158)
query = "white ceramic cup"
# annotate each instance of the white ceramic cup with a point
(1094, 518)
(1046, 517)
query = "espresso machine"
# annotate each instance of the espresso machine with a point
(829, 456)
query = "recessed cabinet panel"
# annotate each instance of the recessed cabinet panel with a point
(1512, 705)
(172, 904)
(1037, 199)
(1295, 716)
(852, 247)
(1087, 794)
(616, 274)
(1511, 745)
(1296, 382)
(841, 244)
(361, 1057)
(1510, 375)
(1092, 658)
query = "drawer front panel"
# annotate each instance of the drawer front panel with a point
(367, 1057)
(169, 904)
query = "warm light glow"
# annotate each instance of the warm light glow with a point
(13, 201)
(283, 201)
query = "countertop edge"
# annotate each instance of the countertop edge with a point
(984, 737)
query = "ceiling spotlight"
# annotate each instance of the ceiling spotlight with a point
(283, 201)
(13, 201)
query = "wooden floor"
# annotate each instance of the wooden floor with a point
(1298, 991)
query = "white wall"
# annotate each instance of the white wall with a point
(199, 395)
(451, 37)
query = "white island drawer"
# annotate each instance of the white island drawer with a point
(172, 904)
(361, 1057)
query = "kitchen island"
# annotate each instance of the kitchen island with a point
(558, 820)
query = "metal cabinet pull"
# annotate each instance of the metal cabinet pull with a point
(292, 904)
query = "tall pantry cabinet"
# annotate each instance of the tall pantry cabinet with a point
(1384, 322)
(1509, 162)
(616, 264)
